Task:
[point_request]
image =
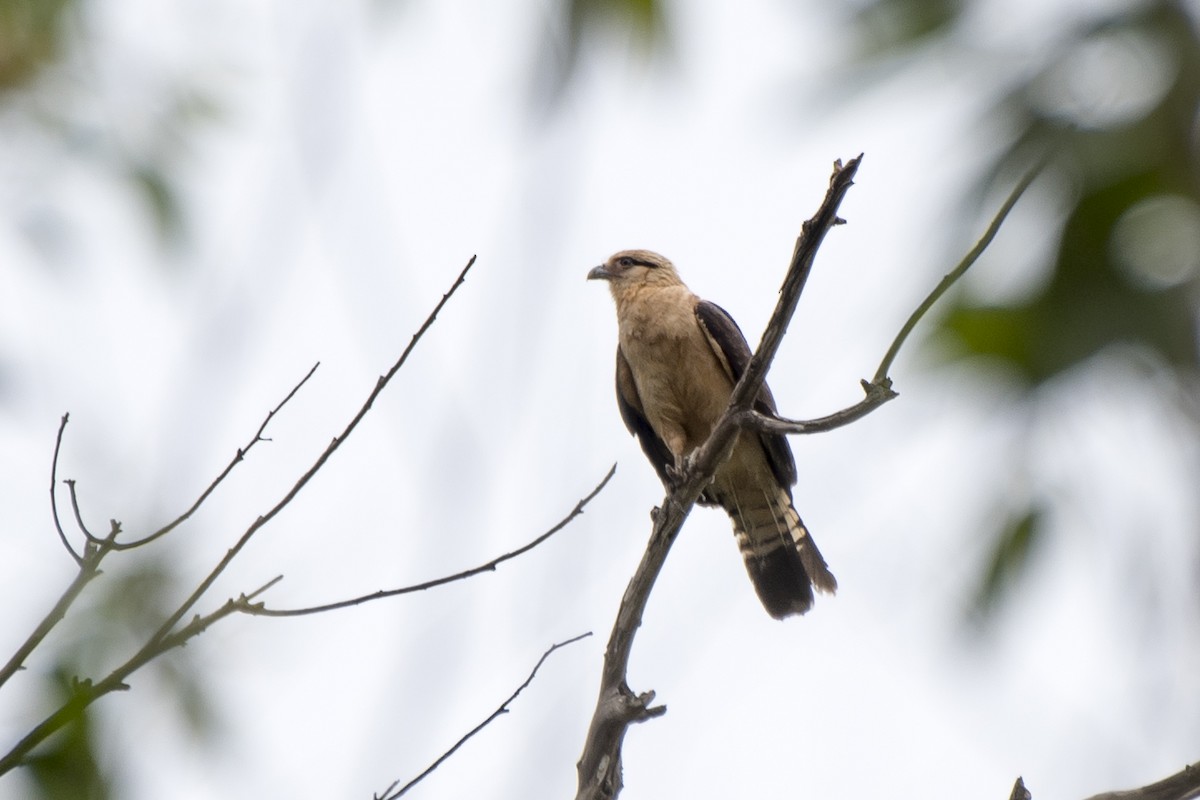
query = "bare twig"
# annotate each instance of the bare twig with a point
(617, 707)
(881, 374)
(62, 536)
(490, 566)
(167, 637)
(92, 539)
(237, 459)
(388, 793)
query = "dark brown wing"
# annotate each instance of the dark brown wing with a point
(730, 346)
(630, 404)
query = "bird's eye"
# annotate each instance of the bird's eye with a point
(625, 261)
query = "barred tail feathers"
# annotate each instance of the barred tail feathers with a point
(781, 557)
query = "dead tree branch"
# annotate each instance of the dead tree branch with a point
(1183, 785)
(599, 768)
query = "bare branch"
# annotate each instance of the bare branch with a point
(388, 794)
(167, 637)
(98, 548)
(877, 395)
(259, 610)
(617, 707)
(812, 233)
(89, 568)
(1183, 785)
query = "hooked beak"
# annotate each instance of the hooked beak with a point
(599, 273)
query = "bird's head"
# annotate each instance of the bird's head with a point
(630, 268)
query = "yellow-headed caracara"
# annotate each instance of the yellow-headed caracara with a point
(678, 358)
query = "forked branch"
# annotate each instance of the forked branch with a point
(170, 633)
(617, 706)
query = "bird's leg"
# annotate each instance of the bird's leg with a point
(676, 471)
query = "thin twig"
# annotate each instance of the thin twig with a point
(91, 538)
(490, 566)
(62, 426)
(502, 709)
(881, 374)
(237, 459)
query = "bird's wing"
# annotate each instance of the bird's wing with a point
(634, 415)
(729, 345)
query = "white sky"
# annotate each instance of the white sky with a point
(360, 155)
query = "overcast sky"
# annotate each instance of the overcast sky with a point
(359, 154)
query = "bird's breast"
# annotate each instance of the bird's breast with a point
(682, 386)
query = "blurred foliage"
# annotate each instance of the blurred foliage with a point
(50, 90)
(67, 769)
(1116, 103)
(1011, 551)
(1115, 278)
(31, 36)
(640, 22)
(119, 613)
(899, 25)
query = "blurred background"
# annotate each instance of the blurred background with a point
(202, 199)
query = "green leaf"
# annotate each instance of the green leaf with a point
(1007, 563)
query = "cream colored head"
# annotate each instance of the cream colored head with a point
(636, 268)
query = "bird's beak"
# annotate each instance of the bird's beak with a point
(600, 273)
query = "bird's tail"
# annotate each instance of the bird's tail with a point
(781, 557)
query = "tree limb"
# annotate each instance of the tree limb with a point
(1183, 785)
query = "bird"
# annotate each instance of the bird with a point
(678, 359)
